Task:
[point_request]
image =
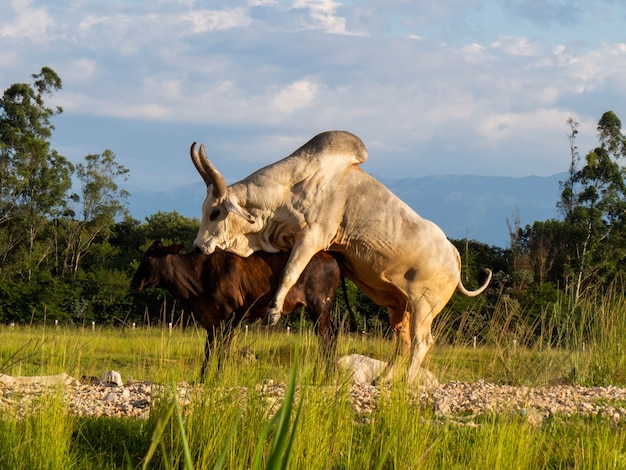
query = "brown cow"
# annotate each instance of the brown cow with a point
(223, 289)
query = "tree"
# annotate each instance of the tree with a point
(593, 202)
(169, 227)
(610, 135)
(101, 201)
(568, 188)
(34, 179)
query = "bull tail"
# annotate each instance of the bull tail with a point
(351, 319)
(485, 278)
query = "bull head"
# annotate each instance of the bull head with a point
(215, 229)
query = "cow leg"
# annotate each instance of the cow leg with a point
(218, 339)
(326, 329)
(228, 330)
(210, 339)
(304, 248)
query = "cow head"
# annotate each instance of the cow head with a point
(225, 222)
(148, 273)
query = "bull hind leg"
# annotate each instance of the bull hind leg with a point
(421, 337)
(403, 344)
(414, 341)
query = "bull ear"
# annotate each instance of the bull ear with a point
(174, 249)
(238, 210)
(209, 173)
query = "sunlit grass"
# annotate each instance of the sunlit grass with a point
(225, 426)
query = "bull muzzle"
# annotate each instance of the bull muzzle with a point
(204, 247)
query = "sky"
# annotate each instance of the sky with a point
(432, 88)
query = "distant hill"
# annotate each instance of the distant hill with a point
(476, 207)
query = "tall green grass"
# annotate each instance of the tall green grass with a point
(222, 426)
(43, 439)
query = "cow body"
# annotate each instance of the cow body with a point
(319, 199)
(222, 289)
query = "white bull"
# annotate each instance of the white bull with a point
(319, 199)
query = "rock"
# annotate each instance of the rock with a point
(426, 378)
(90, 380)
(112, 377)
(360, 368)
(59, 379)
(453, 401)
(364, 369)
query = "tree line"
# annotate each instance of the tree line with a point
(69, 247)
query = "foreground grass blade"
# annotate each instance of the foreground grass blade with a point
(292, 436)
(157, 435)
(183, 435)
(284, 434)
(222, 457)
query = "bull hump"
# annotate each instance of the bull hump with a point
(336, 142)
(327, 153)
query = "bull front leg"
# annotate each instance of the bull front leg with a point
(307, 244)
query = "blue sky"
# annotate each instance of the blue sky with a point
(447, 87)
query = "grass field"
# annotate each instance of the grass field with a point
(320, 430)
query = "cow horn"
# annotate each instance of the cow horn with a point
(209, 173)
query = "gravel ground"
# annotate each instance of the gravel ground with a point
(453, 400)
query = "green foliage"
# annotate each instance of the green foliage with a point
(593, 202)
(34, 179)
(101, 203)
(169, 227)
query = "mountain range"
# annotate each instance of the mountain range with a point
(464, 206)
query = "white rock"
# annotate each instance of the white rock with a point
(426, 378)
(360, 368)
(112, 377)
(59, 379)
(364, 369)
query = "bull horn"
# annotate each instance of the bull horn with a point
(209, 173)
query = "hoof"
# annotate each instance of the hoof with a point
(272, 318)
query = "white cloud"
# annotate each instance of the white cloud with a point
(323, 15)
(297, 95)
(494, 100)
(516, 46)
(216, 20)
(90, 20)
(143, 110)
(262, 3)
(28, 23)
(473, 48)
